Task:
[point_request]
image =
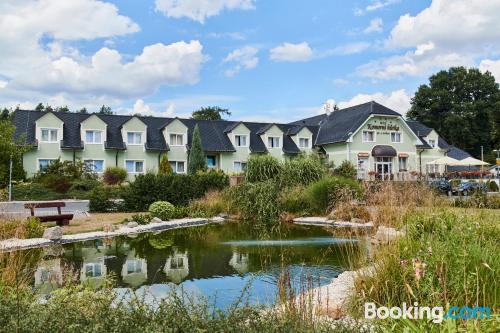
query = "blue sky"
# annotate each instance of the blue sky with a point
(264, 60)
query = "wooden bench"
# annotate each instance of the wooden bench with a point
(60, 219)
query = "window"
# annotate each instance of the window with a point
(134, 266)
(134, 138)
(432, 143)
(178, 166)
(273, 142)
(95, 165)
(49, 135)
(240, 166)
(396, 137)
(134, 166)
(368, 136)
(42, 164)
(176, 139)
(304, 142)
(177, 263)
(93, 270)
(403, 163)
(93, 136)
(211, 161)
(240, 140)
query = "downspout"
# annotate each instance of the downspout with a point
(420, 163)
(116, 158)
(74, 156)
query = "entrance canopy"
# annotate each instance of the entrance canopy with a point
(383, 151)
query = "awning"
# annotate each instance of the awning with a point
(363, 154)
(384, 151)
(404, 155)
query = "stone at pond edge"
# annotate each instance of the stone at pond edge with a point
(156, 220)
(53, 233)
(386, 234)
(132, 224)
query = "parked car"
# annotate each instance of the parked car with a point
(469, 188)
(442, 186)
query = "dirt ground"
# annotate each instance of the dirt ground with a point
(95, 222)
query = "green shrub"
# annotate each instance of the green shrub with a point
(114, 175)
(34, 229)
(210, 205)
(293, 200)
(100, 200)
(302, 170)
(492, 186)
(455, 182)
(196, 159)
(176, 189)
(141, 219)
(255, 201)
(261, 168)
(23, 229)
(163, 210)
(346, 169)
(326, 193)
(165, 168)
(34, 191)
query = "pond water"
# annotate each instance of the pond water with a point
(218, 262)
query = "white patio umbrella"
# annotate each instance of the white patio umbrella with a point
(471, 161)
(445, 160)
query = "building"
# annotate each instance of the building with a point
(373, 137)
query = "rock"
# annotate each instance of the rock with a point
(217, 219)
(387, 234)
(223, 215)
(156, 220)
(53, 233)
(356, 220)
(132, 224)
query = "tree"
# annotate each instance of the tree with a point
(196, 160)
(39, 107)
(463, 106)
(105, 110)
(62, 109)
(5, 114)
(165, 168)
(83, 110)
(49, 108)
(9, 147)
(210, 113)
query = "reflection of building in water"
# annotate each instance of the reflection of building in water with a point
(93, 269)
(239, 261)
(48, 275)
(134, 270)
(177, 266)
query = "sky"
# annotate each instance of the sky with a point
(264, 60)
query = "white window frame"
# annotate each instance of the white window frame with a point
(135, 166)
(308, 142)
(399, 163)
(176, 169)
(400, 137)
(92, 160)
(50, 129)
(182, 135)
(369, 131)
(241, 166)
(93, 266)
(246, 140)
(93, 136)
(43, 159)
(135, 144)
(272, 138)
(433, 144)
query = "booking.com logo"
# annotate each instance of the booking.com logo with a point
(436, 314)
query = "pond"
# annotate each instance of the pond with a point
(219, 262)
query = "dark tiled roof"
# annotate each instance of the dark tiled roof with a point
(311, 121)
(337, 126)
(213, 132)
(418, 128)
(457, 153)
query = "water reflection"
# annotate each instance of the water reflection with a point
(215, 261)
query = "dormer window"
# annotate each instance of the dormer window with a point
(134, 138)
(273, 142)
(304, 143)
(240, 140)
(432, 143)
(48, 135)
(92, 136)
(176, 139)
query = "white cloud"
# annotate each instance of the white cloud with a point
(291, 52)
(3, 84)
(346, 49)
(199, 10)
(376, 5)
(397, 100)
(141, 107)
(447, 33)
(340, 82)
(492, 66)
(376, 25)
(243, 58)
(56, 72)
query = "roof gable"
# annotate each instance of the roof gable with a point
(92, 120)
(48, 118)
